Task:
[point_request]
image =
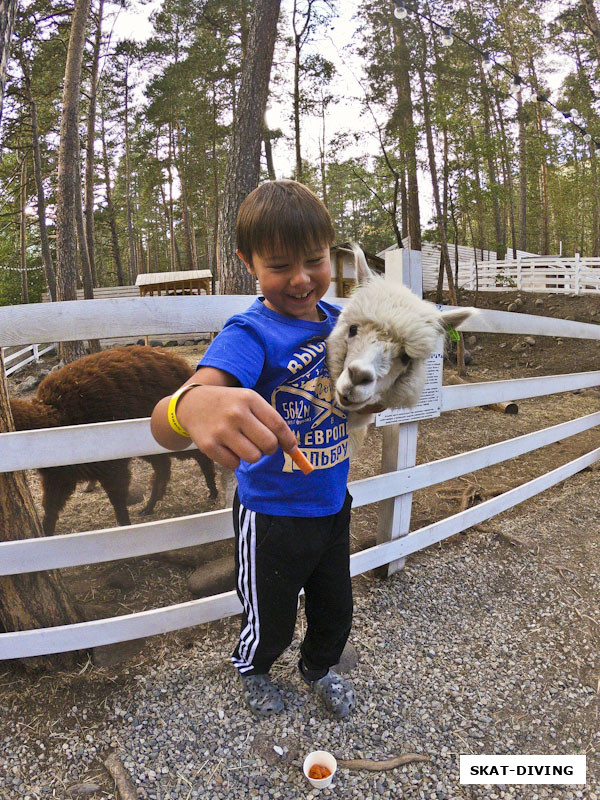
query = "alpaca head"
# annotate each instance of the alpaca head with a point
(379, 347)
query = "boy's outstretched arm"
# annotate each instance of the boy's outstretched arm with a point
(225, 421)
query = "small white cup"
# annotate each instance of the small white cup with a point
(324, 759)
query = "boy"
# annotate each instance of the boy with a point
(261, 390)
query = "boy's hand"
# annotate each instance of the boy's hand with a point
(231, 423)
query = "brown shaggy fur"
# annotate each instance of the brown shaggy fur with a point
(121, 383)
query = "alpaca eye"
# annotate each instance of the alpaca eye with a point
(405, 359)
(352, 330)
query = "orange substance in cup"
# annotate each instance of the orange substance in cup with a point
(317, 772)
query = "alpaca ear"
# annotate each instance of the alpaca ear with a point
(457, 316)
(362, 271)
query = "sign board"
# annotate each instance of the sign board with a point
(430, 402)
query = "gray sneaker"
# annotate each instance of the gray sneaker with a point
(336, 694)
(262, 697)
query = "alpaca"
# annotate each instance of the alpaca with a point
(377, 352)
(120, 383)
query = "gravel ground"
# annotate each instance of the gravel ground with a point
(478, 646)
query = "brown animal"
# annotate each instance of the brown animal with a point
(121, 383)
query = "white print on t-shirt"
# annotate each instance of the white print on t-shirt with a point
(305, 356)
(306, 402)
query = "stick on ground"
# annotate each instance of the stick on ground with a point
(125, 786)
(380, 766)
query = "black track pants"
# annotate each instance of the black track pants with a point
(276, 557)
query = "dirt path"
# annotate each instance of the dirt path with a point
(551, 540)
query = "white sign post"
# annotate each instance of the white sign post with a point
(430, 402)
(400, 432)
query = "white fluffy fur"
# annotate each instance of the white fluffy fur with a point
(384, 361)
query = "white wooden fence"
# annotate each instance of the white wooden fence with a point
(544, 274)
(109, 440)
(35, 351)
(465, 254)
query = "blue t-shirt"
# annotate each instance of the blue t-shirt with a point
(283, 359)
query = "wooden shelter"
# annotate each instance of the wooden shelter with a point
(190, 281)
(342, 268)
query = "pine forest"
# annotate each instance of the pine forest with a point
(478, 125)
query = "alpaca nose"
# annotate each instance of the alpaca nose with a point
(360, 375)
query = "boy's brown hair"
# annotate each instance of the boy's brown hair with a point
(282, 217)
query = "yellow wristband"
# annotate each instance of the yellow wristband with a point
(172, 416)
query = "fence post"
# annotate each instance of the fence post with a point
(577, 273)
(36, 351)
(519, 274)
(399, 441)
(473, 285)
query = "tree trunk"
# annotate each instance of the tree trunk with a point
(441, 220)
(544, 244)
(112, 219)
(170, 208)
(298, 172)
(66, 274)
(130, 238)
(493, 178)
(178, 256)
(170, 249)
(322, 156)
(508, 170)
(403, 197)
(89, 149)
(298, 34)
(408, 135)
(269, 154)
(596, 202)
(41, 200)
(23, 231)
(214, 254)
(591, 19)
(522, 175)
(84, 250)
(243, 165)
(86, 270)
(37, 599)
(8, 10)
(185, 211)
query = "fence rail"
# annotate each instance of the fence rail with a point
(110, 544)
(543, 274)
(105, 441)
(83, 635)
(36, 354)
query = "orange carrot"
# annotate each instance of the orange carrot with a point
(301, 460)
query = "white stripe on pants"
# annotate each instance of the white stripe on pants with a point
(250, 636)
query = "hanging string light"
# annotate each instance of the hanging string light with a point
(19, 269)
(401, 10)
(488, 64)
(447, 39)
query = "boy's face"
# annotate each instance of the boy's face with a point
(292, 284)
